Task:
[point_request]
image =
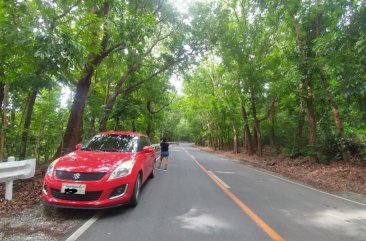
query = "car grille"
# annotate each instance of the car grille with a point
(88, 196)
(79, 176)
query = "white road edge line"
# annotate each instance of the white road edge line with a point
(218, 179)
(311, 188)
(84, 227)
(224, 172)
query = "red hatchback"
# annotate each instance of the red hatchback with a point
(107, 171)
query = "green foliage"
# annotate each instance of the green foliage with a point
(226, 51)
(355, 147)
(330, 148)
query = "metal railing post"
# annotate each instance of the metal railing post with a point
(9, 184)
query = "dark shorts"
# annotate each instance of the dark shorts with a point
(164, 154)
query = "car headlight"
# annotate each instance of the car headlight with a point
(122, 170)
(51, 167)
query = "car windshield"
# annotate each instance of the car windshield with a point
(111, 143)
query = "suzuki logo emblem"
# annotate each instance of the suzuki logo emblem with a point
(76, 176)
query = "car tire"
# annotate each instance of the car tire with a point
(136, 191)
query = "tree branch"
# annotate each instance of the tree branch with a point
(67, 11)
(160, 4)
(149, 107)
(113, 48)
(132, 87)
(64, 14)
(270, 109)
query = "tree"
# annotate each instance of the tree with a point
(99, 50)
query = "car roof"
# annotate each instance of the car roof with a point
(131, 133)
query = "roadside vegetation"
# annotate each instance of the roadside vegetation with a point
(284, 74)
(289, 75)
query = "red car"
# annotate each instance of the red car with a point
(107, 171)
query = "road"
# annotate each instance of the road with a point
(204, 196)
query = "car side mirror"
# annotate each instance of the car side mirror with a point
(148, 149)
(78, 146)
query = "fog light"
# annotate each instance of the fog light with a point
(45, 188)
(118, 192)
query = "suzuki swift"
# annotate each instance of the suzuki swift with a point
(107, 171)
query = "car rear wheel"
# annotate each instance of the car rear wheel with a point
(136, 192)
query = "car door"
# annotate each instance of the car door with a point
(148, 162)
(152, 155)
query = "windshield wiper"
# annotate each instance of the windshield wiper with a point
(109, 150)
(86, 149)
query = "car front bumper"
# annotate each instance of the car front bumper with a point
(98, 194)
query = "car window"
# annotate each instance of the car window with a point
(143, 142)
(112, 143)
(146, 142)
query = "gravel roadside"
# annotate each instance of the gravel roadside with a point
(41, 223)
(27, 218)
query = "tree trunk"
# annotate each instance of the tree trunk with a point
(255, 137)
(247, 137)
(362, 106)
(4, 126)
(336, 115)
(272, 137)
(27, 123)
(3, 104)
(72, 134)
(306, 82)
(299, 131)
(2, 87)
(133, 125)
(107, 109)
(149, 128)
(19, 130)
(92, 127)
(236, 149)
(116, 124)
(38, 141)
(311, 116)
(257, 126)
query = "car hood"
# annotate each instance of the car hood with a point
(89, 161)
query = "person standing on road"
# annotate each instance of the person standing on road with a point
(164, 153)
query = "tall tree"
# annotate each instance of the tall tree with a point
(98, 52)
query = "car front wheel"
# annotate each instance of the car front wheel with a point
(136, 192)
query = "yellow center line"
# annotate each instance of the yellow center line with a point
(271, 233)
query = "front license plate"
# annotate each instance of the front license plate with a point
(71, 188)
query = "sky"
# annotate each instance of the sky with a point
(177, 82)
(182, 6)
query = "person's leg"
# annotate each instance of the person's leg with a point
(159, 161)
(163, 160)
(166, 163)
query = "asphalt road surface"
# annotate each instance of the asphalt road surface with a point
(205, 196)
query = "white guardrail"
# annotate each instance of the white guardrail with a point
(13, 170)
